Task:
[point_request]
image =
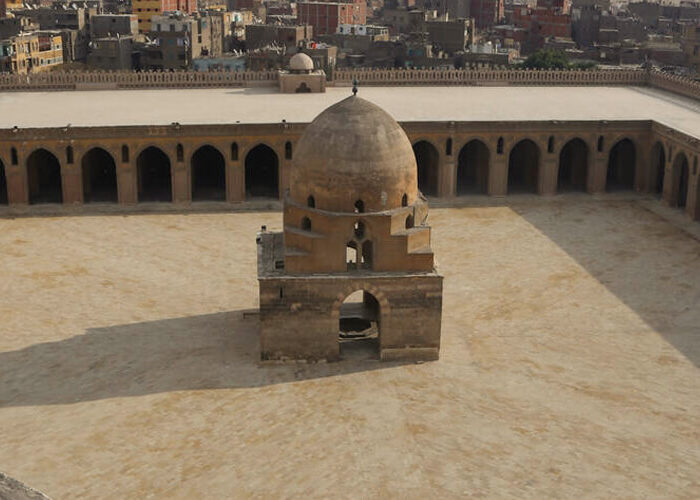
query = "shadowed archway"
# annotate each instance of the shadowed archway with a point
(523, 167)
(359, 326)
(681, 181)
(3, 185)
(473, 168)
(428, 161)
(621, 165)
(658, 169)
(262, 172)
(208, 174)
(154, 176)
(44, 177)
(99, 176)
(573, 166)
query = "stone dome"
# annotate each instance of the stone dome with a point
(354, 150)
(301, 62)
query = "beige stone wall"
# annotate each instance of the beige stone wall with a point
(643, 134)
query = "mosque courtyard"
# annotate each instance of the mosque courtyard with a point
(570, 362)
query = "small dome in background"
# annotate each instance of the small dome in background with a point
(301, 62)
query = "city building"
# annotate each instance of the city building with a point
(354, 262)
(261, 35)
(111, 53)
(102, 25)
(690, 42)
(450, 36)
(146, 9)
(325, 17)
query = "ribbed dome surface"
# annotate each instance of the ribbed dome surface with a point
(301, 62)
(354, 150)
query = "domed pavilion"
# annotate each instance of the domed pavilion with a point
(353, 268)
(301, 77)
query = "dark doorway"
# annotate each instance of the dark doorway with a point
(44, 178)
(261, 173)
(621, 164)
(359, 326)
(428, 160)
(155, 182)
(208, 174)
(473, 168)
(523, 167)
(99, 176)
(681, 178)
(573, 166)
(3, 185)
(658, 169)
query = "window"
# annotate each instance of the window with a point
(359, 229)
(69, 155)
(180, 153)
(448, 147)
(234, 151)
(311, 202)
(13, 156)
(600, 144)
(409, 221)
(287, 150)
(359, 207)
(404, 200)
(125, 153)
(499, 146)
(550, 145)
(306, 224)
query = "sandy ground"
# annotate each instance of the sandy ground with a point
(570, 364)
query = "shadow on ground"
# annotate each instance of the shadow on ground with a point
(213, 351)
(646, 262)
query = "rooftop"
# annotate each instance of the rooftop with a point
(405, 104)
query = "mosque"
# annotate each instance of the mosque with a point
(355, 224)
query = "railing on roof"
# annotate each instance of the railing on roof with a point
(73, 80)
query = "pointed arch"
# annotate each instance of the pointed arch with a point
(44, 177)
(99, 174)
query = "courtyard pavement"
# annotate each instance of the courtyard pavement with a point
(570, 363)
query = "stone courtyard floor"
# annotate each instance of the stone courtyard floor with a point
(569, 365)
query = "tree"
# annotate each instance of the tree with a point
(547, 59)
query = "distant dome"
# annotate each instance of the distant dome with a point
(354, 150)
(301, 62)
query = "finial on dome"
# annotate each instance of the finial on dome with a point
(354, 86)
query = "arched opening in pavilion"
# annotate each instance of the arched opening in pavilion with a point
(473, 168)
(99, 176)
(44, 177)
(573, 166)
(262, 173)
(523, 167)
(154, 176)
(658, 169)
(3, 184)
(681, 181)
(359, 326)
(208, 174)
(428, 161)
(621, 165)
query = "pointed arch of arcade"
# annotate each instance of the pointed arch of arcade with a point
(208, 170)
(385, 309)
(523, 167)
(154, 175)
(3, 184)
(473, 168)
(99, 174)
(261, 172)
(681, 180)
(428, 163)
(44, 177)
(573, 166)
(622, 160)
(657, 168)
